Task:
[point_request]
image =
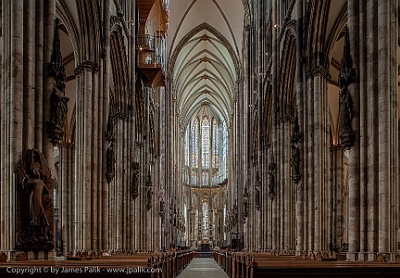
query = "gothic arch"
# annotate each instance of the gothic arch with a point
(267, 113)
(316, 33)
(287, 92)
(339, 25)
(334, 65)
(71, 26)
(89, 17)
(119, 69)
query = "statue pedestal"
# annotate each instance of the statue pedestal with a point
(34, 246)
(37, 250)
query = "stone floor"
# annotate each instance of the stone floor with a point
(203, 268)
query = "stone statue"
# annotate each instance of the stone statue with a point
(257, 191)
(245, 203)
(296, 175)
(271, 181)
(347, 136)
(110, 162)
(345, 110)
(135, 180)
(257, 198)
(162, 203)
(59, 105)
(215, 207)
(297, 134)
(35, 180)
(295, 159)
(110, 132)
(58, 100)
(346, 77)
(149, 195)
(271, 185)
(37, 189)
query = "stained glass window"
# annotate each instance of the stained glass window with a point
(224, 152)
(205, 178)
(195, 143)
(206, 149)
(187, 146)
(194, 177)
(205, 219)
(205, 143)
(224, 219)
(215, 160)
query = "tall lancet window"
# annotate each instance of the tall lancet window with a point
(195, 143)
(215, 145)
(187, 146)
(205, 220)
(224, 152)
(205, 143)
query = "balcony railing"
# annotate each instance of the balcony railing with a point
(152, 50)
(145, 42)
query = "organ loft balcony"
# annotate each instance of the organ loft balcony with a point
(152, 59)
(151, 41)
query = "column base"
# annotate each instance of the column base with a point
(385, 257)
(11, 254)
(352, 256)
(46, 255)
(371, 256)
(367, 256)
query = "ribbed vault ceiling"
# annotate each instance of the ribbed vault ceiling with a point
(204, 41)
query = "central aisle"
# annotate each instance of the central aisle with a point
(203, 268)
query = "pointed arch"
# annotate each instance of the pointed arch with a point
(287, 75)
(119, 69)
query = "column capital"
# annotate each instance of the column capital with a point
(318, 70)
(92, 66)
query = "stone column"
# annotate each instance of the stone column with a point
(354, 152)
(86, 144)
(387, 118)
(318, 123)
(394, 144)
(287, 183)
(336, 201)
(12, 117)
(309, 140)
(300, 221)
(368, 80)
(67, 152)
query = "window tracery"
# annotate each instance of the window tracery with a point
(205, 150)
